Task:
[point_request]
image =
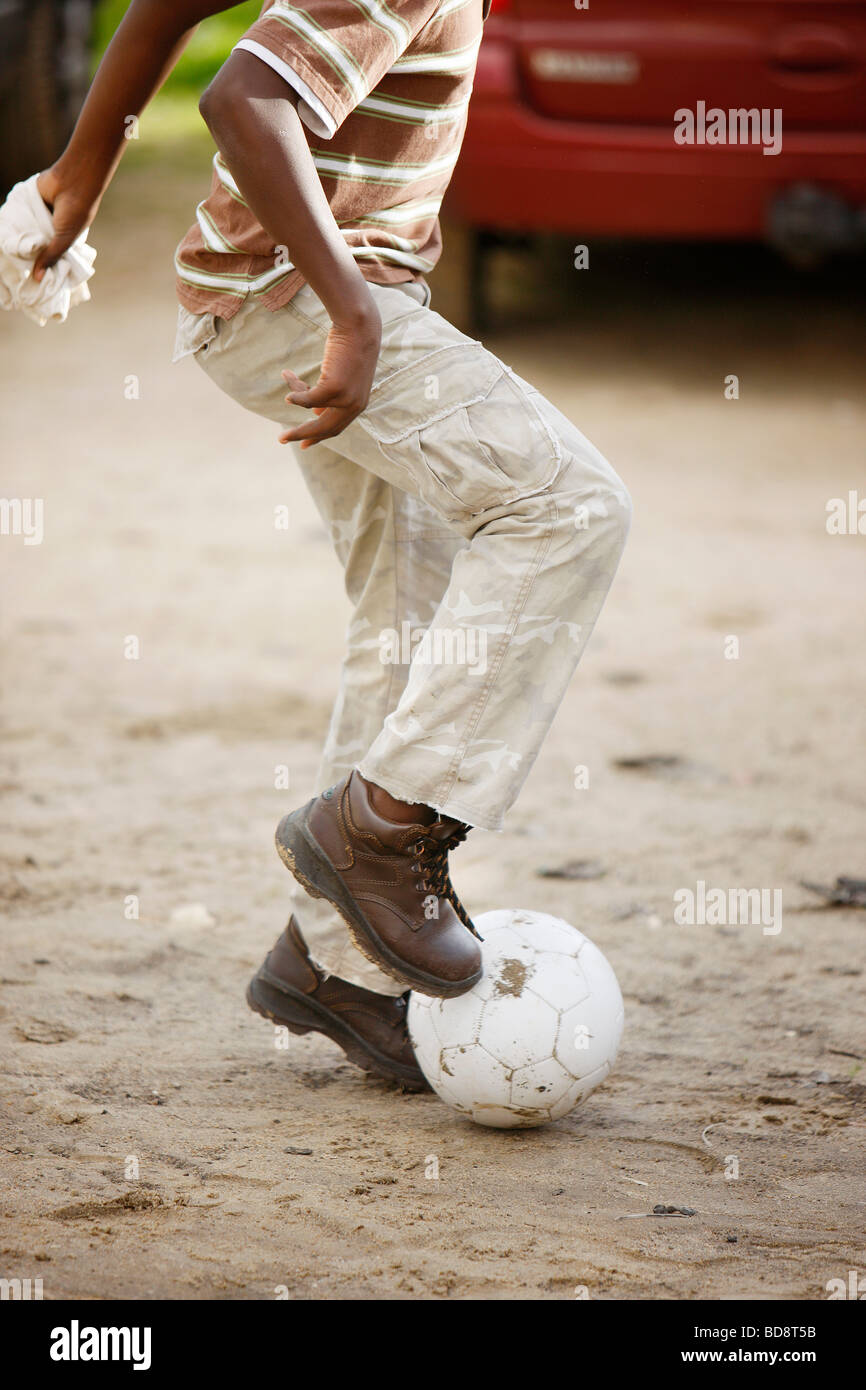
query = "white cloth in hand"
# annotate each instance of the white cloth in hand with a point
(26, 226)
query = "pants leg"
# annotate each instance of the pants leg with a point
(528, 588)
(543, 515)
(397, 557)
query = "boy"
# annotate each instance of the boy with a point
(459, 501)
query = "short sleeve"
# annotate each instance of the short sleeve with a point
(335, 52)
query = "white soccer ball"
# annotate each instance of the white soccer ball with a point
(539, 1031)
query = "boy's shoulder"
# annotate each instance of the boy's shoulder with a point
(449, 27)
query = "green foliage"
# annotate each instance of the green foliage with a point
(205, 53)
(171, 126)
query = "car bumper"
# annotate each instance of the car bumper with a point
(523, 172)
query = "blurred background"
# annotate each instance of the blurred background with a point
(570, 134)
(698, 312)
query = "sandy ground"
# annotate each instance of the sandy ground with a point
(148, 1120)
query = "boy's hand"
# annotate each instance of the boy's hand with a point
(148, 43)
(345, 380)
(252, 115)
(72, 208)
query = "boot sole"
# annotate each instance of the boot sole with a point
(278, 1002)
(307, 861)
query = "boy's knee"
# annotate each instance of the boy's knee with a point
(597, 503)
(587, 492)
(600, 526)
(623, 508)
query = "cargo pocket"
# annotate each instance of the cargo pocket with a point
(465, 429)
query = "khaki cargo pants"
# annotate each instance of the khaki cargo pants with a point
(479, 532)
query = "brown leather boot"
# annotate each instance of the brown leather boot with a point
(390, 884)
(289, 989)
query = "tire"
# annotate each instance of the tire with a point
(43, 92)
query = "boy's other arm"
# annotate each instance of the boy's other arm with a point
(145, 48)
(250, 111)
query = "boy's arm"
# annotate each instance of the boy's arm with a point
(250, 111)
(142, 53)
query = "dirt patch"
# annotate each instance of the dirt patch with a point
(512, 977)
(133, 789)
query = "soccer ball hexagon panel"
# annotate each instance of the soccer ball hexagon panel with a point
(539, 1031)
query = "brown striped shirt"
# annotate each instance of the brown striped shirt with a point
(383, 91)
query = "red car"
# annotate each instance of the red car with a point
(580, 121)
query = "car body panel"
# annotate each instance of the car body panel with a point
(572, 125)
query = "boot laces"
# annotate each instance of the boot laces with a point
(432, 855)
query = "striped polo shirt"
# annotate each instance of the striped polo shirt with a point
(383, 91)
